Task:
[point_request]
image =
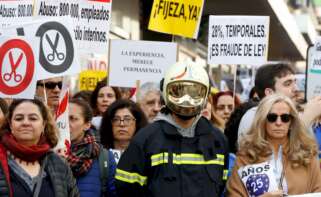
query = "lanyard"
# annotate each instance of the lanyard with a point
(279, 171)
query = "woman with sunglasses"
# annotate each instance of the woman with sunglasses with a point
(120, 123)
(278, 156)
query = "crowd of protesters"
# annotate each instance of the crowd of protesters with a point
(180, 137)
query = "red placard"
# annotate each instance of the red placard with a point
(30, 67)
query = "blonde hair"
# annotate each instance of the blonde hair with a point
(301, 146)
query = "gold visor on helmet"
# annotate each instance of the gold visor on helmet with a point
(186, 94)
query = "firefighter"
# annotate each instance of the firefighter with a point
(180, 154)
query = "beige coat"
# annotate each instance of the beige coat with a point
(300, 180)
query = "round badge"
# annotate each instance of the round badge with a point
(257, 185)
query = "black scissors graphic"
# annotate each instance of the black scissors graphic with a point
(51, 56)
(14, 66)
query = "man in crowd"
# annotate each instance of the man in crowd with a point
(180, 153)
(149, 99)
(49, 91)
(277, 78)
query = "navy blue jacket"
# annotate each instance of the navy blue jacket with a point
(89, 185)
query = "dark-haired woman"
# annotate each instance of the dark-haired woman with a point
(87, 157)
(101, 98)
(28, 166)
(120, 123)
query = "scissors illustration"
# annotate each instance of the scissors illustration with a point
(51, 56)
(14, 66)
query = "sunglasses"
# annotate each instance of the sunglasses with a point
(285, 118)
(51, 85)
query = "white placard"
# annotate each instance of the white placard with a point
(90, 21)
(15, 12)
(314, 70)
(58, 55)
(146, 61)
(238, 40)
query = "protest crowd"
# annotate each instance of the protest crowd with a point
(151, 125)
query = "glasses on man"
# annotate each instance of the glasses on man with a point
(50, 85)
(285, 118)
(127, 120)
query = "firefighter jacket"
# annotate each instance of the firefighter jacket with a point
(160, 162)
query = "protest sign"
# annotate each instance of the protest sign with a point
(15, 12)
(57, 55)
(313, 71)
(17, 67)
(238, 40)
(176, 17)
(62, 119)
(89, 79)
(131, 61)
(90, 21)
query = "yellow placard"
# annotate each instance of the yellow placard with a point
(88, 79)
(178, 17)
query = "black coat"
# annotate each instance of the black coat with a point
(160, 162)
(62, 181)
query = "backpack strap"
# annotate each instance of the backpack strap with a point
(103, 165)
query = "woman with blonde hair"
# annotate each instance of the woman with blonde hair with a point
(278, 156)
